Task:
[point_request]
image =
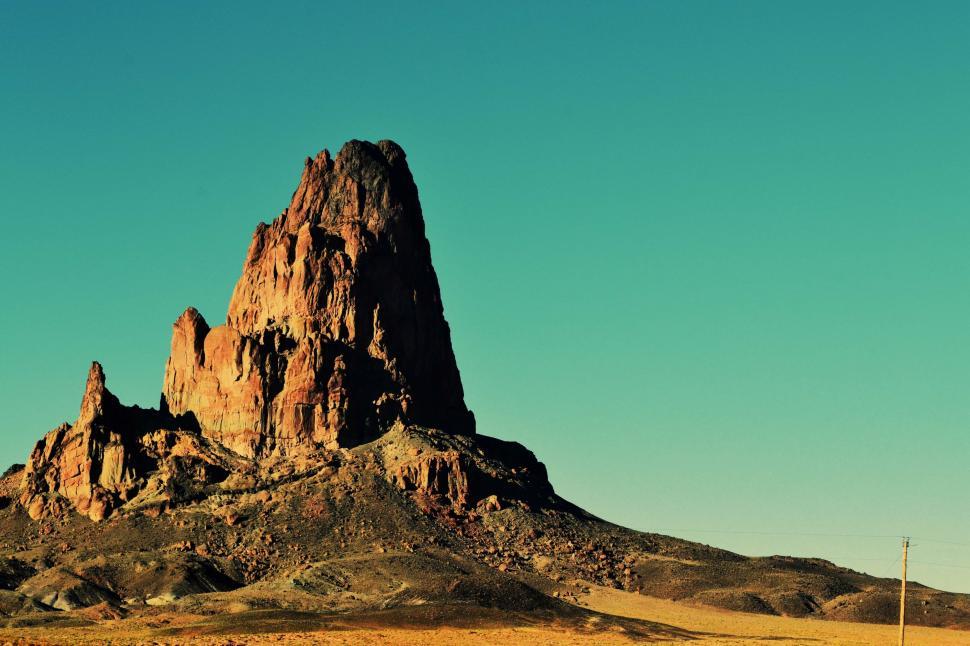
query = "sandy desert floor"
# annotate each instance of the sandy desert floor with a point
(701, 625)
(724, 627)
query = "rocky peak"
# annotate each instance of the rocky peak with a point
(67, 464)
(97, 400)
(334, 192)
(335, 329)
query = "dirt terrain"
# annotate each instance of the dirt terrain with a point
(669, 623)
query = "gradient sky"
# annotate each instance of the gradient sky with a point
(707, 259)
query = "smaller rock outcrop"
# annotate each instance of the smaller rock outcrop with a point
(464, 472)
(445, 474)
(112, 454)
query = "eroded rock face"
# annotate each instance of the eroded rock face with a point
(335, 330)
(445, 474)
(464, 472)
(86, 464)
(110, 455)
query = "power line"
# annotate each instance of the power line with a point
(962, 567)
(942, 542)
(808, 534)
(854, 558)
(886, 572)
(834, 535)
(758, 533)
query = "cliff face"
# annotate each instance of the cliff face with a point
(335, 329)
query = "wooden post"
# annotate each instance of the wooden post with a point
(902, 598)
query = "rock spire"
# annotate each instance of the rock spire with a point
(335, 329)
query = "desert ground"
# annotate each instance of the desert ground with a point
(671, 623)
(715, 626)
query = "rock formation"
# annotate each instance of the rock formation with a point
(335, 334)
(335, 329)
(111, 454)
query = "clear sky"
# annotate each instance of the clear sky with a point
(709, 260)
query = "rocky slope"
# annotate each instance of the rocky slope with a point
(315, 454)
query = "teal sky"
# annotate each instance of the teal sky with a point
(707, 259)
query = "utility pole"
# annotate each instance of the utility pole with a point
(902, 597)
